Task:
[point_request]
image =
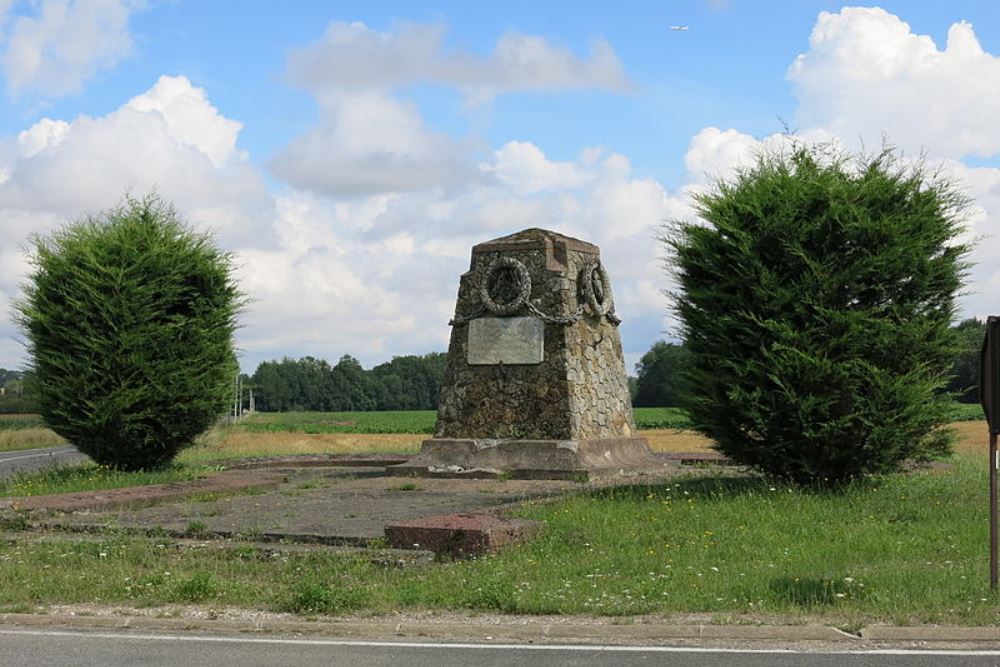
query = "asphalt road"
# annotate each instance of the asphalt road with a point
(54, 648)
(27, 460)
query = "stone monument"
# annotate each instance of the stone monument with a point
(535, 385)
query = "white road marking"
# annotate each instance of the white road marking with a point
(466, 646)
(4, 459)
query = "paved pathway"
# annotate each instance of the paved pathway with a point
(117, 649)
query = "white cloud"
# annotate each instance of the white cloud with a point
(369, 143)
(375, 276)
(866, 73)
(190, 119)
(64, 44)
(351, 56)
(372, 275)
(170, 139)
(524, 167)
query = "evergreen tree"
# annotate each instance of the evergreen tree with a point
(129, 318)
(816, 296)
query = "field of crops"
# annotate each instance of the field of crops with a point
(402, 421)
(18, 422)
(422, 421)
(413, 421)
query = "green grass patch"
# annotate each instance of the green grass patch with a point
(400, 421)
(90, 477)
(901, 549)
(407, 421)
(966, 412)
(422, 421)
(19, 422)
(659, 418)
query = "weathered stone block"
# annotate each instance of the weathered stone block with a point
(460, 535)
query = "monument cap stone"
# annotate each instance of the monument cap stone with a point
(535, 384)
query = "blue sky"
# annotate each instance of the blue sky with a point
(351, 153)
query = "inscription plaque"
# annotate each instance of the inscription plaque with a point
(506, 340)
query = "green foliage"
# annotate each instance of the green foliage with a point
(405, 383)
(660, 373)
(816, 298)
(317, 598)
(129, 318)
(17, 392)
(964, 383)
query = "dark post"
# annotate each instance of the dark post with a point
(989, 393)
(993, 511)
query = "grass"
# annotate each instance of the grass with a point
(25, 431)
(406, 421)
(966, 412)
(901, 549)
(400, 421)
(422, 421)
(233, 443)
(13, 422)
(90, 477)
(28, 438)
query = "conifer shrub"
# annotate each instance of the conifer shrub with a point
(815, 296)
(129, 319)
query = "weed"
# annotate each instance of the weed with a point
(316, 598)
(196, 528)
(405, 486)
(15, 521)
(199, 586)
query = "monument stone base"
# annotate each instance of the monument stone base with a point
(530, 459)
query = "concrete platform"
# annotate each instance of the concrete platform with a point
(578, 460)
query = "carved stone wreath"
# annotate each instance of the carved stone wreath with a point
(505, 286)
(597, 289)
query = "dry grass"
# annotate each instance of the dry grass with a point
(28, 438)
(676, 440)
(972, 437)
(231, 443)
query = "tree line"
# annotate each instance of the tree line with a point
(16, 395)
(412, 382)
(405, 383)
